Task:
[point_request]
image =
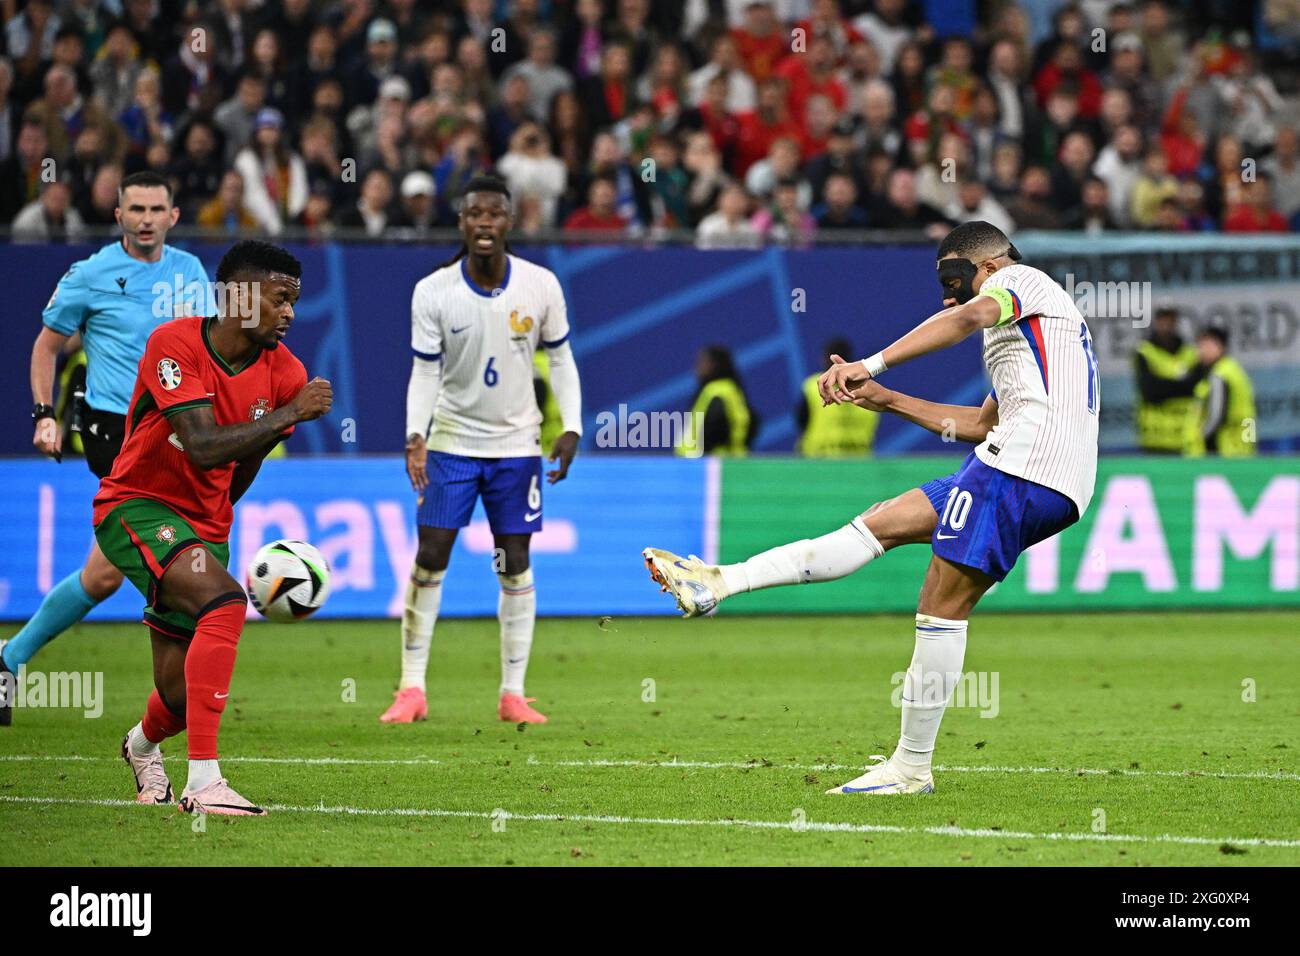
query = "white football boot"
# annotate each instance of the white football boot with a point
(696, 586)
(886, 777)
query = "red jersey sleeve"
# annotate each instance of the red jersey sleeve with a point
(290, 377)
(171, 369)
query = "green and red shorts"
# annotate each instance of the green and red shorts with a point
(143, 538)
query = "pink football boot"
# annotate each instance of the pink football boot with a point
(409, 705)
(515, 709)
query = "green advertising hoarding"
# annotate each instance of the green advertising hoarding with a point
(1159, 533)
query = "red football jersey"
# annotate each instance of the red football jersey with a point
(182, 370)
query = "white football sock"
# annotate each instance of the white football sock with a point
(831, 556)
(423, 597)
(138, 743)
(202, 773)
(517, 612)
(927, 689)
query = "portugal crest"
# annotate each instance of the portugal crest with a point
(169, 373)
(258, 409)
(166, 534)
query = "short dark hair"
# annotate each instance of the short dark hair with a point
(146, 178)
(255, 257)
(1216, 332)
(975, 240)
(486, 184)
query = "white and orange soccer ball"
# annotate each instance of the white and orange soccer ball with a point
(288, 580)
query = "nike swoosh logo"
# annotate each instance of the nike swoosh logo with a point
(532, 516)
(682, 565)
(516, 660)
(461, 329)
(221, 696)
(944, 537)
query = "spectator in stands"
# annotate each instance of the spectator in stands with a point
(608, 161)
(663, 86)
(937, 178)
(885, 27)
(373, 210)
(51, 218)
(380, 62)
(193, 79)
(235, 117)
(1250, 208)
(544, 76)
(782, 162)
(512, 112)
(611, 95)
(1118, 165)
(113, 74)
(293, 23)
(1250, 103)
(226, 210)
(1072, 167)
(583, 42)
(759, 129)
(8, 113)
(531, 170)
(267, 61)
(724, 60)
(729, 226)
(909, 79)
(601, 212)
(840, 156)
(812, 74)
(879, 128)
(1004, 179)
(1154, 185)
(1032, 207)
(819, 125)
(1093, 215)
(419, 208)
(761, 41)
(1283, 168)
(1128, 73)
(275, 178)
(319, 63)
(65, 113)
(98, 211)
(902, 209)
(196, 172)
(145, 121)
(973, 202)
(1006, 79)
(29, 38)
(473, 74)
(702, 164)
(1067, 68)
(21, 173)
(840, 209)
(784, 219)
(1165, 47)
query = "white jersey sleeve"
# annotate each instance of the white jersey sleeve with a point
(555, 323)
(1039, 356)
(426, 331)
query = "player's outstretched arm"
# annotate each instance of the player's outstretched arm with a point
(939, 331)
(210, 445)
(960, 422)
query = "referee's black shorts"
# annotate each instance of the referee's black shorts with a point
(101, 438)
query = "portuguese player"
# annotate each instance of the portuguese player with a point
(212, 397)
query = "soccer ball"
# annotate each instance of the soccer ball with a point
(288, 580)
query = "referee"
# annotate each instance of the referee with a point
(113, 301)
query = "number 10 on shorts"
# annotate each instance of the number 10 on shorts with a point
(956, 510)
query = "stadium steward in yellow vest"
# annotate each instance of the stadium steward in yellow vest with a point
(721, 422)
(1167, 373)
(1222, 420)
(833, 431)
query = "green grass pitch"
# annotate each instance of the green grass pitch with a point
(1119, 739)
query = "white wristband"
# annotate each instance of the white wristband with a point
(875, 365)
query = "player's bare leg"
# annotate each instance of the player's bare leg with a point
(67, 603)
(196, 584)
(423, 598)
(698, 588)
(517, 612)
(164, 717)
(948, 595)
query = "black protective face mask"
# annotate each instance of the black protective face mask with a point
(962, 271)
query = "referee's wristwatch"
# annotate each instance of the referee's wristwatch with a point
(41, 410)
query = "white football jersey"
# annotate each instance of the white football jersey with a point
(1045, 382)
(487, 407)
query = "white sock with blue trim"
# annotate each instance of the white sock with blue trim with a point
(423, 598)
(517, 612)
(827, 558)
(927, 688)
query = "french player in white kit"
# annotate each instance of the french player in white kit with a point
(473, 431)
(1030, 476)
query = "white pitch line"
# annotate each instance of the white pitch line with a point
(675, 764)
(802, 826)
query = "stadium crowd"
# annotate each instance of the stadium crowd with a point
(742, 120)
